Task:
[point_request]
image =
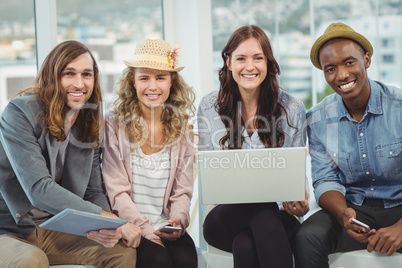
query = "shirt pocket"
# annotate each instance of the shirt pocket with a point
(390, 158)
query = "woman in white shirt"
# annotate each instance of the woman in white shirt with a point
(250, 111)
(148, 155)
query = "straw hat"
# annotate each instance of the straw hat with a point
(156, 54)
(338, 30)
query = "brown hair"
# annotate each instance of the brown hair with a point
(268, 112)
(47, 86)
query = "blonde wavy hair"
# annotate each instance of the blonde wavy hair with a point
(178, 108)
(47, 86)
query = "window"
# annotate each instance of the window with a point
(293, 26)
(17, 48)
(387, 43)
(388, 58)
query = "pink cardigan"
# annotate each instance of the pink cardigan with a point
(117, 175)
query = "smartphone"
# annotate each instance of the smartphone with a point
(361, 224)
(169, 228)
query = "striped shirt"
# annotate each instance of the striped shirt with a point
(150, 177)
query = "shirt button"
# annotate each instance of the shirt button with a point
(361, 134)
(364, 155)
(334, 155)
(390, 152)
(367, 173)
(18, 216)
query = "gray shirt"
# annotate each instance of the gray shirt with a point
(211, 128)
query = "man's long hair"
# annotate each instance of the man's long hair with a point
(47, 86)
(269, 110)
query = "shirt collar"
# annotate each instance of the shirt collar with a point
(373, 105)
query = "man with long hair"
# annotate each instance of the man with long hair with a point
(49, 161)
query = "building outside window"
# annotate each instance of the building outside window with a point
(17, 48)
(293, 26)
(387, 58)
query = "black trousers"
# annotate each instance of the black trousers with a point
(176, 254)
(321, 234)
(256, 234)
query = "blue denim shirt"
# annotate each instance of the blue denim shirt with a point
(359, 159)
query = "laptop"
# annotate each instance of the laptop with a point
(252, 175)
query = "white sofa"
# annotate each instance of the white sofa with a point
(71, 266)
(216, 258)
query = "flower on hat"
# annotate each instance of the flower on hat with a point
(174, 56)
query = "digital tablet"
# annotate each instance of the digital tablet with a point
(80, 223)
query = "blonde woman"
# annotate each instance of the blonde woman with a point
(148, 155)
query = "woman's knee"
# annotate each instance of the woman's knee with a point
(188, 261)
(162, 259)
(243, 243)
(244, 251)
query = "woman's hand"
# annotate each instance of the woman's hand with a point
(298, 208)
(174, 235)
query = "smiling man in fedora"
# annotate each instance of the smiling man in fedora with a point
(356, 164)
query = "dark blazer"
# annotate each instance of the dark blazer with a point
(27, 169)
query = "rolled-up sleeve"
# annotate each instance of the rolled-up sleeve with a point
(324, 170)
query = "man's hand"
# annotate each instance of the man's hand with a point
(355, 231)
(174, 235)
(131, 235)
(107, 238)
(386, 240)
